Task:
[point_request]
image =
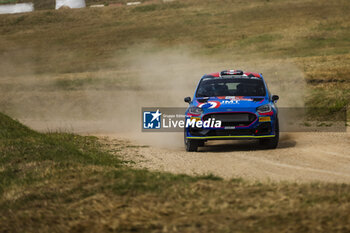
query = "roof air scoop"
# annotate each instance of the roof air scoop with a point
(231, 72)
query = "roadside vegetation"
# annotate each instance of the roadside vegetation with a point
(60, 182)
(314, 35)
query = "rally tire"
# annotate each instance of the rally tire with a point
(192, 145)
(271, 143)
(200, 142)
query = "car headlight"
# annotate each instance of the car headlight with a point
(264, 108)
(195, 110)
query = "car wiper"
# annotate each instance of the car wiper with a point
(256, 99)
(203, 99)
(203, 96)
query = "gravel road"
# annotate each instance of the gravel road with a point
(300, 157)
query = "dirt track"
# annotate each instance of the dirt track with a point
(301, 157)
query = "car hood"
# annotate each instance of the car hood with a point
(230, 103)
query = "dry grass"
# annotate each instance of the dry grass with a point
(54, 39)
(313, 34)
(68, 183)
(203, 206)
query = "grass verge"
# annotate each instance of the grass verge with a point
(63, 182)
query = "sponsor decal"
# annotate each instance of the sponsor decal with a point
(264, 119)
(238, 98)
(233, 99)
(210, 104)
(230, 101)
(195, 118)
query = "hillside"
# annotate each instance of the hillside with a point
(63, 182)
(313, 35)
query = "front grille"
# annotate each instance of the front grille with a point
(262, 129)
(220, 132)
(232, 132)
(232, 119)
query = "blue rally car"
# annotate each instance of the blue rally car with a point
(235, 105)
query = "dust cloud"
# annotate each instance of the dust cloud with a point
(109, 102)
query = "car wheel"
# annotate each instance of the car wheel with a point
(200, 142)
(271, 143)
(192, 145)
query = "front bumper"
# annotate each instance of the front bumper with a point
(242, 137)
(253, 130)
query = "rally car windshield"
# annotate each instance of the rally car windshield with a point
(212, 87)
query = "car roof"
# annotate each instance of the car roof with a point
(218, 74)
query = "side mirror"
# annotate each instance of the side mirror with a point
(275, 98)
(187, 99)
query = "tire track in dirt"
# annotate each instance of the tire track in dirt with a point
(301, 157)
